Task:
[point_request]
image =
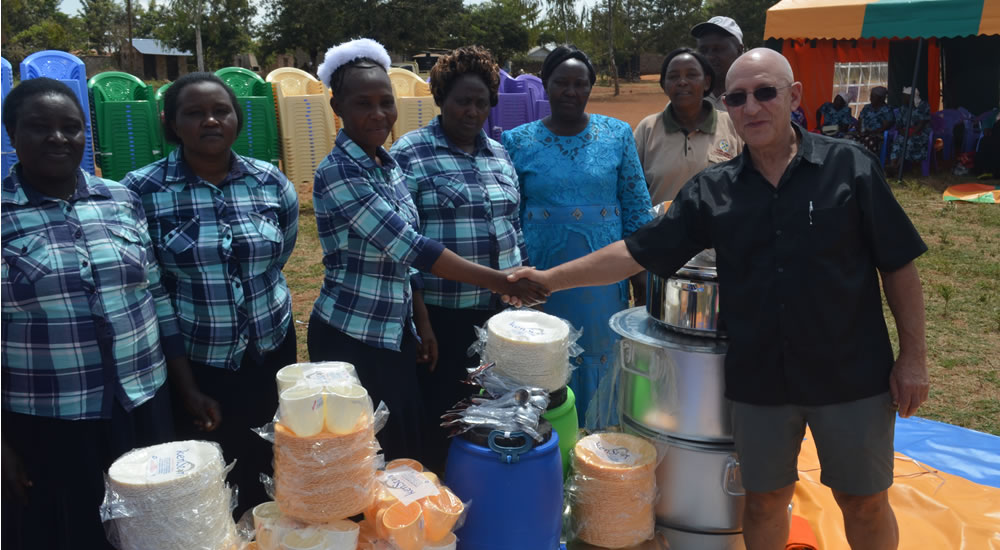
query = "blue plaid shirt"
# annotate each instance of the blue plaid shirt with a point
(221, 248)
(84, 315)
(366, 222)
(469, 203)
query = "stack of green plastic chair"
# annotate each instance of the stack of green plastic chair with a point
(167, 146)
(259, 138)
(128, 127)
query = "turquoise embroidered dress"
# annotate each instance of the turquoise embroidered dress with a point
(578, 194)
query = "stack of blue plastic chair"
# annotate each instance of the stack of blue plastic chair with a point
(9, 156)
(944, 123)
(68, 69)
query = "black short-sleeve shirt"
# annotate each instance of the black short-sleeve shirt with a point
(798, 269)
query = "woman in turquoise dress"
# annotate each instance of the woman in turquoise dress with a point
(582, 187)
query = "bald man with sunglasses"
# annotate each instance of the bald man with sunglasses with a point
(804, 227)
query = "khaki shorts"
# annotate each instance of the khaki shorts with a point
(854, 442)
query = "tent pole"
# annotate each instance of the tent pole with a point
(909, 109)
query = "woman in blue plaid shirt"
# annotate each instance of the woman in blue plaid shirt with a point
(223, 226)
(465, 190)
(367, 224)
(88, 331)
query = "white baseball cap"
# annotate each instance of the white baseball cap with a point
(718, 23)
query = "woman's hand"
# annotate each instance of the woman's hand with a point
(15, 478)
(205, 411)
(427, 349)
(526, 287)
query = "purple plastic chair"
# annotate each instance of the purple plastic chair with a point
(536, 93)
(68, 69)
(943, 122)
(7, 152)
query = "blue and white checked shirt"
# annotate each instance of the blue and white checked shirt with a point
(366, 221)
(84, 315)
(221, 249)
(468, 203)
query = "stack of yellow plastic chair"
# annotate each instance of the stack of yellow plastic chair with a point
(413, 101)
(307, 126)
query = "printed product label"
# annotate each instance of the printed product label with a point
(176, 464)
(612, 453)
(407, 484)
(526, 330)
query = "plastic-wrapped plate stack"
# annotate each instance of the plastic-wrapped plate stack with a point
(170, 497)
(530, 347)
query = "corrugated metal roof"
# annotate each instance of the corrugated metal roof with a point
(151, 46)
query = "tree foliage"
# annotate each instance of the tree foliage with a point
(32, 25)
(750, 15)
(495, 26)
(226, 28)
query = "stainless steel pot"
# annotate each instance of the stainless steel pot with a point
(677, 539)
(689, 300)
(700, 487)
(672, 383)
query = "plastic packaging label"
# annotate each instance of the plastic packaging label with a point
(324, 377)
(525, 330)
(407, 484)
(612, 453)
(174, 466)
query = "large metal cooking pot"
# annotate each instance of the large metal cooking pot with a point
(672, 383)
(689, 301)
(678, 539)
(699, 485)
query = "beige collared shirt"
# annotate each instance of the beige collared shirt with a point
(670, 157)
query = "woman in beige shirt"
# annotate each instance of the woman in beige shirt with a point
(689, 135)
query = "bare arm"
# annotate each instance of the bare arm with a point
(606, 266)
(908, 382)
(453, 267)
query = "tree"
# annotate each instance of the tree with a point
(27, 26)
(225, 28)
(493, 26)
(101, 19)
(312, 26)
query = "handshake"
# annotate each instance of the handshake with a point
(523, 287)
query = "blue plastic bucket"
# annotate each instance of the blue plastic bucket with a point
(516, 494)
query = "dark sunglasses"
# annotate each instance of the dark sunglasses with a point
(767, 93)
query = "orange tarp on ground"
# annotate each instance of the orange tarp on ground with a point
(935, 510)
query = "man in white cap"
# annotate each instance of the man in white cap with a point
(721, 41)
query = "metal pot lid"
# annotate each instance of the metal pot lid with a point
(701, 266)
(635, 324)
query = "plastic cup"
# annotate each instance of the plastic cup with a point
(450, 542)
(341, 535)
(441, 512)
(305, 539)
(346, 406)
(265, 522)
(302, 410)
(404, 525)
(286, 377)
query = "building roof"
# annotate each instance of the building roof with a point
(151, 46)
(541, 52)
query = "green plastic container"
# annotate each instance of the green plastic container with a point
(564, 422)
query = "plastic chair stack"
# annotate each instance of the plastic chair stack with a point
(259, 137)
(308, 130)
(944, 123)
(536, 95)
(9, 156)
(69, 70)
(414, 103)
(167, 146)
(128, 123)
(514, 106)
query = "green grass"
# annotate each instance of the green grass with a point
(963, 264)
(961, 282)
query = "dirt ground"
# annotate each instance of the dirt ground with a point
(634, 103)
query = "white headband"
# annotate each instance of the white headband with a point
(342, 54)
